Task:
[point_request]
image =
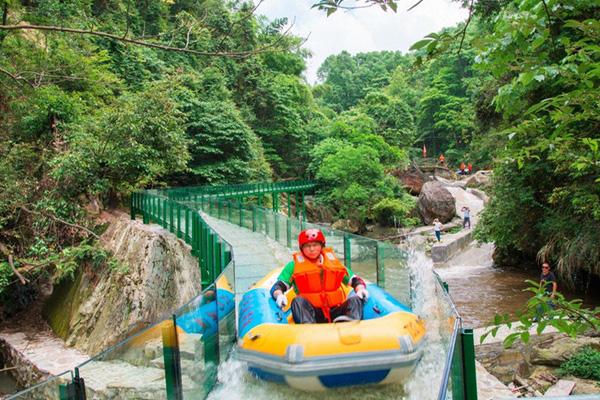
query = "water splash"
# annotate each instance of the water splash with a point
(237, 384)
(429, 305)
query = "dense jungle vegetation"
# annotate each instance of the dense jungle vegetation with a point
(102, 97)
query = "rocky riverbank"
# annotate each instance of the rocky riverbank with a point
(533, 368)
(101, 307)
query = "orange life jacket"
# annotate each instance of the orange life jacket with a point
(320, 284)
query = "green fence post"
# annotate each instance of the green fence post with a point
(289, 233)
(213, 256)
(457, 370)
(204, 256)
(211, 357)
(187, 225)
(219, 208)
(468, 357)
(347, 251)
(303, 209)
(277, 226)
(195, 234)
(132, 205)
(178, 220)
(289, 204)
(223, 259)
(275, 201)
(218, 258)
(144, 207)
(229, 212)
(171, 217)
(253, 218)
(152, 215)
(379, 259)
(172, 361)
(241, 221)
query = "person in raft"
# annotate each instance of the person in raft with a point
(317, 276)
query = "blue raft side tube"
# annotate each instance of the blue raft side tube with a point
(205, 319)
(258, 307)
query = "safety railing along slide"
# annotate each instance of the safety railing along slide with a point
(178, 357)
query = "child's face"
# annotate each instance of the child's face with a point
(312, 250)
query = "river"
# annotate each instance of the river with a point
(480, 290)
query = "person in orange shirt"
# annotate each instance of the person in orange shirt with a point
(462, 168)
(442, 158)
(470, 168)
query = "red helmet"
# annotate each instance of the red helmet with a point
(311, 235)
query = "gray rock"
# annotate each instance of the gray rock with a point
(103, 307)
(557, 351)
(480, 179)
(435, 201)
(346, 225)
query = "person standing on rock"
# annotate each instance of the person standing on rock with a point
(437, 229)
(466, 216)
(469, 168)
(442, 159)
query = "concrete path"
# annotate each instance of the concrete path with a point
(453, 242)
(38, 355)
(254, 253)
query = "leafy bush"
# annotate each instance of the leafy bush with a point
(395, 211)
(584, 364)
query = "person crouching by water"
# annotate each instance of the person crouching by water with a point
(437, 229)
(548, 280)
(317, 276)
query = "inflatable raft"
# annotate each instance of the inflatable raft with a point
(382, 348)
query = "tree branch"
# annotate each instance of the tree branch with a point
(464, 31)
(62, 221)
(9, 256)
(17, 78)
(240, 54)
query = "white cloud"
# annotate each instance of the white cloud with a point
(362, 30)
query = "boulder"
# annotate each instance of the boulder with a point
(435, 201)
(346, 225)
(412, 179)
(480, 179)
(556, 352)
(585, 386)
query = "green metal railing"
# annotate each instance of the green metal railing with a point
(170, 360)
(459, 377)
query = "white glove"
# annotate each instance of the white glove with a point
(281, 300)
(362, 292)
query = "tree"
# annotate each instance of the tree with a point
(393, 117)
(546, 64)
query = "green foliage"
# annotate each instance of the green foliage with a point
(347, 79)
(125, 145)
(393, 116)
(353, 180)
(395, 211)
(6, 276)
(544, 310)
(546, 69)
(282, 110)
(72, 258)
(584, 364)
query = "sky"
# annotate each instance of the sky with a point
(362, 30)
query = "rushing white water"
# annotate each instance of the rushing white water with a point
(236, 383)
(429, 304)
